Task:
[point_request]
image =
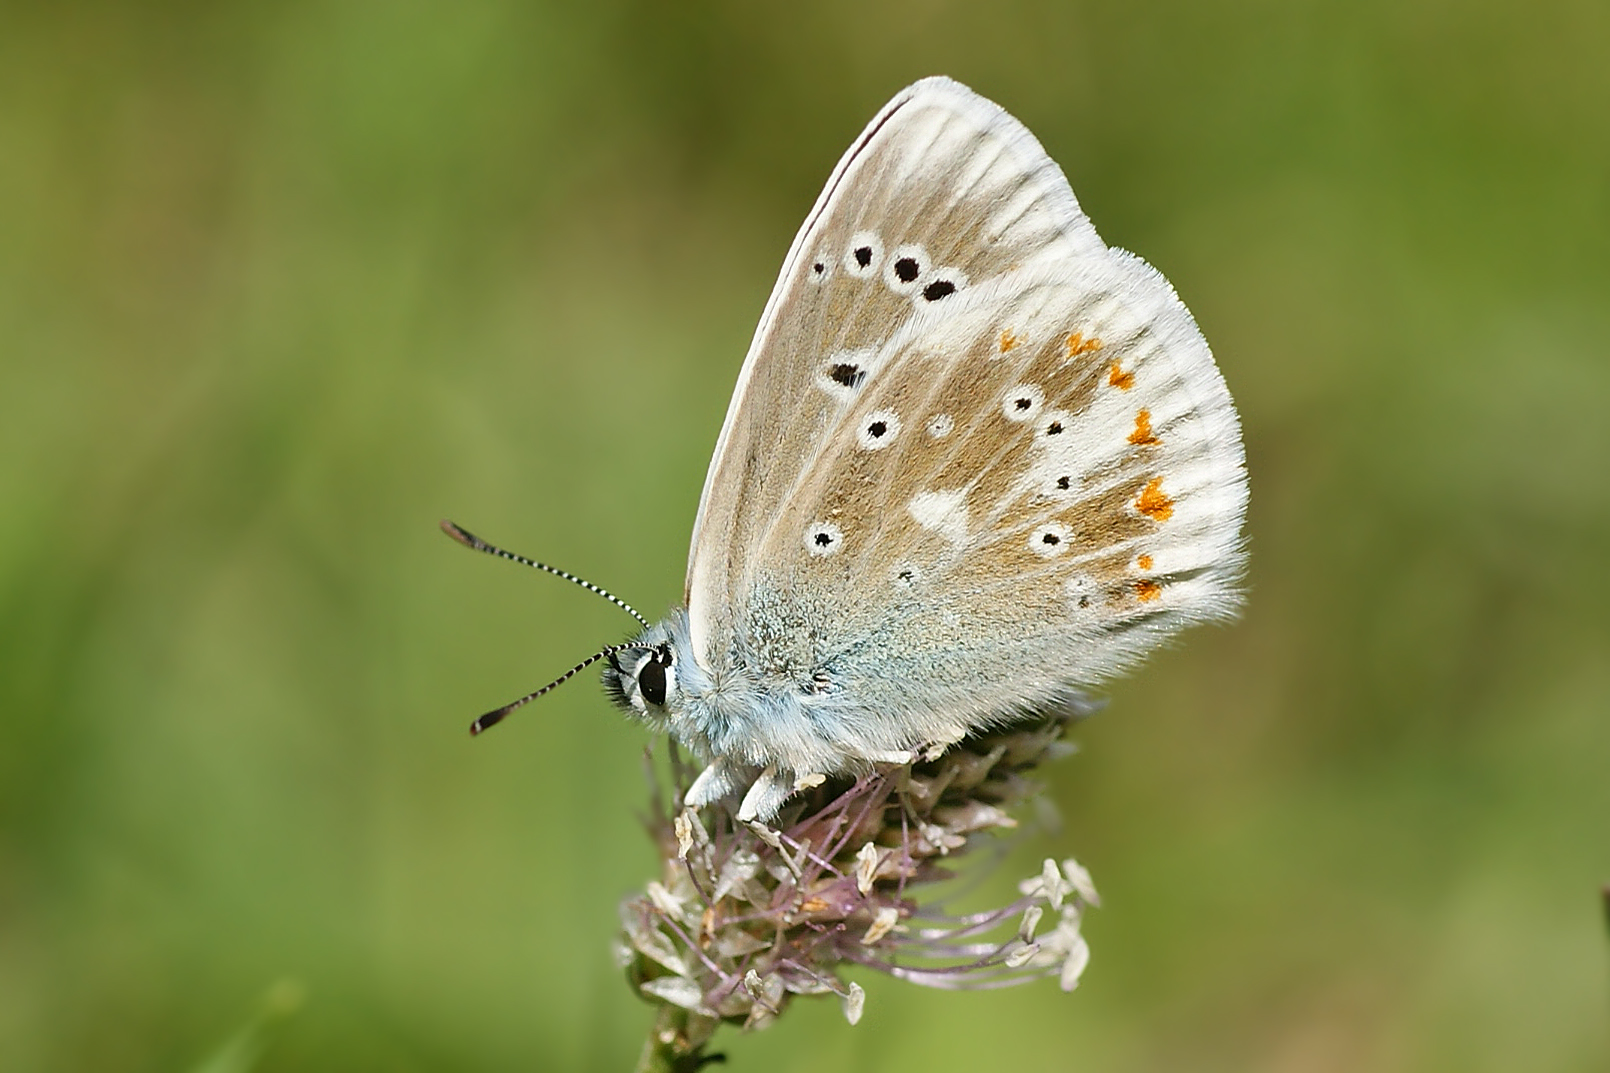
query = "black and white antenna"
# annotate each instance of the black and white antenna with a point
(470, 540)
(495, 716)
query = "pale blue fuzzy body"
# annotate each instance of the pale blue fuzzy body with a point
(798, 723)
(764, 722)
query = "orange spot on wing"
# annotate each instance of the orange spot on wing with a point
(1143, 430)
(1078, 344)
(1148, 590)
(1144, 562)
(1153, 503)
(1119, 379)
(1008, 341)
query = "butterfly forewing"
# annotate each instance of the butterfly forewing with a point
(976, 459)
(977, 196)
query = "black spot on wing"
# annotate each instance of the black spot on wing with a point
(847, 374)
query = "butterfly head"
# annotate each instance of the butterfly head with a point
(655, 677)
(642, 677)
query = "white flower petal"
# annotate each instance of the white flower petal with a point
(735, 943)
(664, 900)
(1075, 964)
(854, 1003)
(866, 867)
(766, 990)
(1022, 955)
(653, 944)
(676, 990)
(973, 815)
(882, 924)
(741, 866)
(1079, 879)
(1052, 886)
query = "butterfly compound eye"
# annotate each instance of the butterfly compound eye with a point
(651, 677)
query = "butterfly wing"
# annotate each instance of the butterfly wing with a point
(975, 459)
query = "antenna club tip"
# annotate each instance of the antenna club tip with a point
(491, 719)
(458, 534)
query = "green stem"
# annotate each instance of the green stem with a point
(676, 1042)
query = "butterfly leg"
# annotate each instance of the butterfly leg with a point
(714, 782)
(766, 795)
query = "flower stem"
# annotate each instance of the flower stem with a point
(676, 1042)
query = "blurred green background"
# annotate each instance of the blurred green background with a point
(281, 284)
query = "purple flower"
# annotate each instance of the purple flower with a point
(745, 916)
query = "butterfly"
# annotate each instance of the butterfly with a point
(977, 462)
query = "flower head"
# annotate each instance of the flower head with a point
(745, 917)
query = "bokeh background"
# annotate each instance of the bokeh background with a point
(281, 284)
